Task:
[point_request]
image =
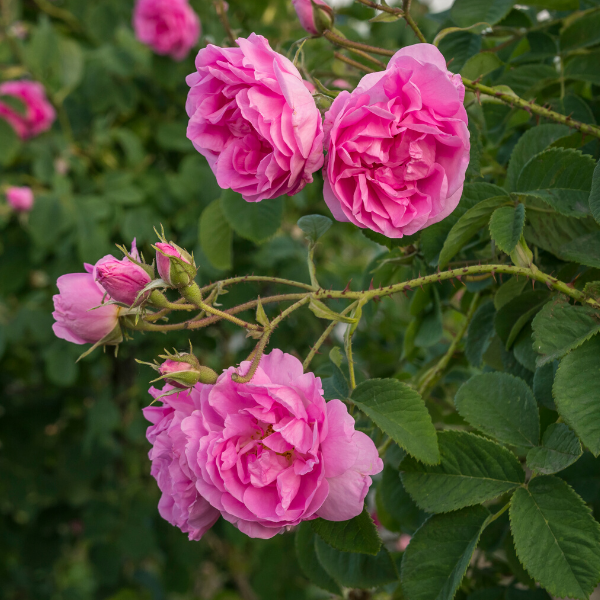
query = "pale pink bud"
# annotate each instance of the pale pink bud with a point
(20, 198)
(186, 372)
(174, 271)
(314, 15)
(122, 279)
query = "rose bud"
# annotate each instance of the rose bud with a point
(38, 114)
(75, 320)
(185, 371)
(20, 198)
(123, 280)
(314, 15)
(175, 266)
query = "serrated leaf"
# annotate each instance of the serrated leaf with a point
(458, 44)
(216, 236)
(501, 406)
(509, 290)
(577, 393)
(468, 226)
(514, 315)
(506, 226)
(356, 535)
(556, 538)
(314, 226)
(561, 177)
(309, 561)
(323, 311)
(481, 64)
(400, 412)
(584, 250)
(335, 387)
(439, 553)
(468, 12)
(595, 193)
(254, 221)
(560, 448)
(559, 328)
(351, 569)
(480, 333)
(543, 380)
(472, 470)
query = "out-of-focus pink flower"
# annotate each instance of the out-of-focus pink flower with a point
(403, 542)
(180, 504)
(168, 26)
(341, 84)
(20, 198)
(254, 120)
(398, 145)
(75, 322)
(314, 23)
(38, 113)
(123, 280)
(271, 453)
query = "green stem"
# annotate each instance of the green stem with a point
(433, 375)
(312, 271)
(384, 8)
(411, 23)
(249, 278)
(536, 109)
(353, 63)
(340, 41)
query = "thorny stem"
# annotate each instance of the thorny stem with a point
(530, 107)
(408, 18)
(249, 278)
(434, 374)
(353, 63)
(340, 41)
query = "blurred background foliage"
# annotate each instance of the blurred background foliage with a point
(78, 508)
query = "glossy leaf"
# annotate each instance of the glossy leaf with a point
(314, 226)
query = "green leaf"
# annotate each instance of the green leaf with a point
(506, 226)
(524, 79)
(561, 177)
(501, 406)
(560, 448)
(356, 535)
(254, 221)
(396, 502)
(439, 553)
(509, 290)
(481, 64)
(10, 143)
(309, 562)
(514, 315)
(595, 192)
(543, 380)
(216, 236)
(458, 46)
(584, 250)
(559, 328)
(523, 348)
(469, 12)
(584, 67)
(472, 470)
(335, 387)
(480, 333)
(172, 136)
(314, 226)
(556, 538)
(468, 226)
(577, 393)
(581, 32)
(400, 412)
(555, 4)
(351, 569)
(321, 310)
(71, 65)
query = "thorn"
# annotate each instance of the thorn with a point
(494, 276)
(478, 95)
(371, 284)
(549, 285)
(452, 282)
(533, 284)
(438, 269)
(376, 298)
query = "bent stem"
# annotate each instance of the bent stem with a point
(408, 18)
(340, 41)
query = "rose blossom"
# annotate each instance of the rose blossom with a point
(20, 198)
(398, 145)
(254, 120)
(75, 321)
(271, 453)
(39, 113)
(168, 26)
(306, 14)
(180, 503)
(123, 280)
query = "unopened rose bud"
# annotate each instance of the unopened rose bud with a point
(122, 279)
(175, 266)
(314, 15)
(185, 371)
(20, 198)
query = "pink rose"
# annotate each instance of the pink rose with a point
(271, 453)
(75, 322)
(254, 120)
(20, 198)
(39, 113)
(123, 280)
(180, 503)
(314, 23)
(398, 145)
(168, 26)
